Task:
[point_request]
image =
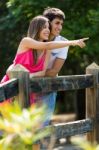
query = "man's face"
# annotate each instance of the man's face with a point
(56, 25)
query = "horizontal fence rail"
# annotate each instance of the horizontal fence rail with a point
(62, 83)
(64, 130)
(8, 89)
(73, 128)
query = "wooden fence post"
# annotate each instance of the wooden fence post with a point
(22, 75)
(92, 103)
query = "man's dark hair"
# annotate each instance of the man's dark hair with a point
(52, 13)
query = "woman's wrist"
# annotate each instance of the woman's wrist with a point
(73, 43)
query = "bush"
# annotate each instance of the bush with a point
(20, 128)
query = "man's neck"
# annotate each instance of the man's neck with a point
(52, 37)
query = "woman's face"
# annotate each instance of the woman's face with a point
(44, 34)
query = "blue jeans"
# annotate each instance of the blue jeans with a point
(49, 99)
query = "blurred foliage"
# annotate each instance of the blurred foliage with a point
(20, 129)
(82, 20)
(84, 144)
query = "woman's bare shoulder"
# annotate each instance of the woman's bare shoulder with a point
(22, 45)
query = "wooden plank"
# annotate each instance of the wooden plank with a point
(64, 130)
(92, 102)
(2, 94)
(61, 83)
(73, 128)
(8, 89)
(22, 74)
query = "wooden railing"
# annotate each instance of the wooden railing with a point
(20, 86)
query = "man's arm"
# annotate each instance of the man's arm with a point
(58, 63)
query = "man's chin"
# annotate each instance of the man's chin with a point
(57, 34)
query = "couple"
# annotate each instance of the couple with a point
(43, 52)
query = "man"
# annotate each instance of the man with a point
(58, 57)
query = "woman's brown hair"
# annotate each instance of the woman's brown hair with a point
(35, 27)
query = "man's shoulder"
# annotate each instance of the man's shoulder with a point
(60, 38)
(60, 51)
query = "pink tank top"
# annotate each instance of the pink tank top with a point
(27, 60)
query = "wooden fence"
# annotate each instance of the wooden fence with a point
(20, 86)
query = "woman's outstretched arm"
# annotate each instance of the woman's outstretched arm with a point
(27, 43)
